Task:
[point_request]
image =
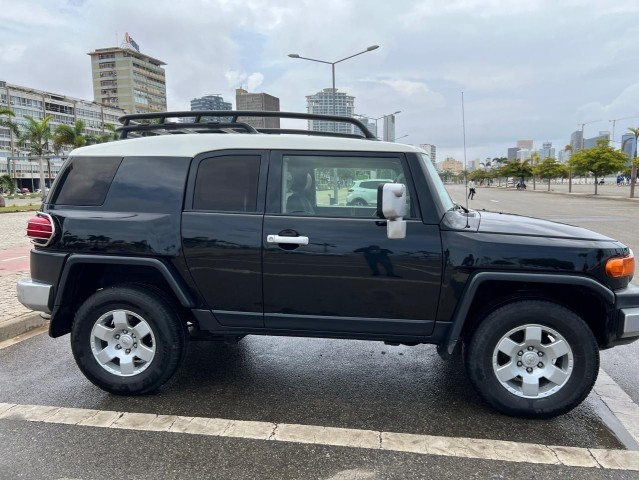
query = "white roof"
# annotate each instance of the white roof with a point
(189, 145)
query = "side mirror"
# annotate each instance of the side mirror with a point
(391, 205)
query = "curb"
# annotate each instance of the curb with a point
(577, 194)
(22, 324)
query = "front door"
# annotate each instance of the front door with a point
(328, 264)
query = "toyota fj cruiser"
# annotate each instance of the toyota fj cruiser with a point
(218, 230)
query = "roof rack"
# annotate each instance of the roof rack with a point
(156, 123)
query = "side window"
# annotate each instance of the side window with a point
(227, 184)
(332, 186)
(86, 180)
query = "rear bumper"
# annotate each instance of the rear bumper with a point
(35, 295)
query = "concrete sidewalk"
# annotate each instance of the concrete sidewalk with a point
(15, 318)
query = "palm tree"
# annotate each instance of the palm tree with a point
(10, 124)
(633, 172)
(69, 135)
(37, 134)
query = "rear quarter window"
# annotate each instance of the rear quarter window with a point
(85, 181)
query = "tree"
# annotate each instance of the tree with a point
(8, 123)
(517, 169)
(109, 136)
(550, 168)
(37, 134)
(6, 185)
(600, 160)
(69, 135)
(633, 173)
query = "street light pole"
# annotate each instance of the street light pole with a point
(377, 119)
(332, 64)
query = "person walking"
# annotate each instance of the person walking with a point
(471, 189)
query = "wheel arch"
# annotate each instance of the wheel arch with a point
(487, 291)
(83, 275)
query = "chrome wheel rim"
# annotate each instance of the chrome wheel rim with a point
(533, 361)
(122, 343)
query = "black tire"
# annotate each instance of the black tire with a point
(483, 359)
(359, 202)
(167, 339)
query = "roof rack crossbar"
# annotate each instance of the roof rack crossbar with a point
(211, 127)
(129, 123)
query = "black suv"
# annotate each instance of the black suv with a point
(218, 230)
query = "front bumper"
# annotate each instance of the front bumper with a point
(35, 295)
(627, 308)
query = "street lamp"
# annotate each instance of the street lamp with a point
(397, 138)
(332, 64)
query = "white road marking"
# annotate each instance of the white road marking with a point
(345, 437)
(14, 258)
(619, 402)
(496, 201)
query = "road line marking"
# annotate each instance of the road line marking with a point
(619, 403)
(460, 447)
(14, 258)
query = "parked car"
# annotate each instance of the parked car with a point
(222, 237)
(364, 192)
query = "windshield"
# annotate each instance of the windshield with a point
(436, 181)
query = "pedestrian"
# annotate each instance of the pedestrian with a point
(471, 189)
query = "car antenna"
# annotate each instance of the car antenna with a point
(465, 165)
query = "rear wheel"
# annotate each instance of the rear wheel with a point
(359, 202)
(533, 359)
(128, 340)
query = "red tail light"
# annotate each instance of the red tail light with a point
(41, 229)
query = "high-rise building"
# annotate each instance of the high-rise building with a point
(592, 142)
(524, 154)
(512, 153)
(38, 104)
(525, 144)
(322, 103)
(123, 77)
(370, 124)
(211, 102)
(576, 140)
(628, 144)
(547, 151)
(389, 128)
(257, 102)
(431, 150)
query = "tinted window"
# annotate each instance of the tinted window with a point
(320, 185)
(86, 181)
(227, 184)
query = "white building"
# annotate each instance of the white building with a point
(322, 103)
(431, 150)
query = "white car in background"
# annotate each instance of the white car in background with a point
(364, 192)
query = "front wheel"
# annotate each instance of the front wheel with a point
(128, 340)
(533, 359)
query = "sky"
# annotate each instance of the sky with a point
(528, 69)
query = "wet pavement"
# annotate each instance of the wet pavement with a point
(333, 383)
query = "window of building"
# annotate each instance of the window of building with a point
(227, 184)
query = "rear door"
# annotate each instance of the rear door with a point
(328, 266)
(222, 231)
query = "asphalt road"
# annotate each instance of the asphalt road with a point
(331, 383)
